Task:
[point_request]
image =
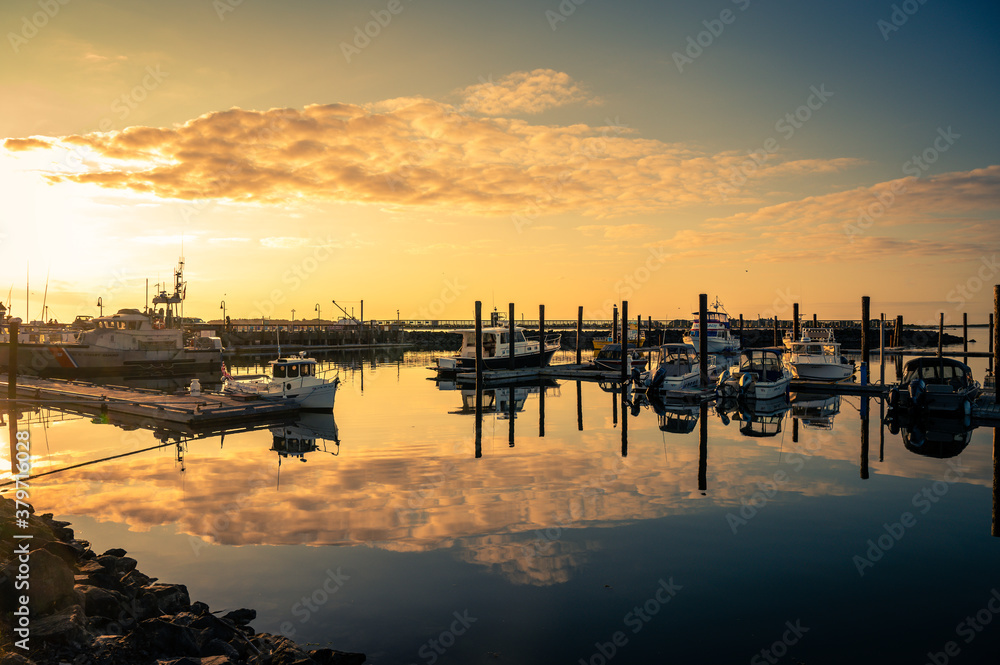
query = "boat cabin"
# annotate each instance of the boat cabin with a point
(766, 363)
(938, 372)
(293, 368)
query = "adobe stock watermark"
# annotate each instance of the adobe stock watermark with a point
(779, 648)
(898, 16)
(580, 159)
(311, 603)
(915, 167)
(30, 26)
(924, 500)
(968, 628)
(295, 276)
(697, 44)
(363, 35)
(565, 10)
(636, 619)
(436, 647)
(786, 126)
(451, 291)
(631, 283)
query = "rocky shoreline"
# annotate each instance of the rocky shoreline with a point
(86, 608)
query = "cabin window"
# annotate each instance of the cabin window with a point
(293, 371)
(279, 371)
(307, 370)
(503, 338)
(518, 336)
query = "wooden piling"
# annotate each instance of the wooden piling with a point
(479, 350)
(510, 336)
(13, 330)
(614, 325)
(579, 334)
(815, 321)
(795, 321)
(965, 333)
(541, 335)
(899, 331)
(991, 343)
(741, 331)
(995, 340)
(865, 337)
(941, 336)
(703, 338)
(776, 339)
(624, 356)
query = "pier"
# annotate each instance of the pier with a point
(195, 412)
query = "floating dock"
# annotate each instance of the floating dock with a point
(574, 372)
(196, 412)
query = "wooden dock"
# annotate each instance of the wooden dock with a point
(574, 372)
(195, 412)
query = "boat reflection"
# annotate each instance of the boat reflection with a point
(675, 416)
(933, 435)
(503, 402)
(757, 418)
(815, 410)
(310, 433)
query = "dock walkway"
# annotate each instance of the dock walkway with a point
(205, 410)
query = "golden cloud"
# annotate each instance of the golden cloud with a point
(410, 152)
(524, 93)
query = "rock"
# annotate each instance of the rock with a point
(13, 658)
(115, 551)
(181, 661)
(332, 657)
(98, 602)
(120, 565)
(65, 551)
(219, 660)
(134, 580)
(215, 648)
(241, 617)
(170, 598)
(67, 627)
(51, 583)
(199, 608)
(163, 637)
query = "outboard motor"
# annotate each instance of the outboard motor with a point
(746, 383)
(918, 392)
(661, 374)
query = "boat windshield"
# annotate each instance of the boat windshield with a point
(278, 371)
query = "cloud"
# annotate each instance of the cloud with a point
(407, 153)
(523, 93)
(617, 231)
(953, 215)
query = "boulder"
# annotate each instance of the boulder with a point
(51, 582)
(67, 627)
(170, 598)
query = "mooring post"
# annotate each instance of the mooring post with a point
(995, 340)
(965, 334)
(815, 323)
(12, 329)
(614, 325)
(775, 339)
(881, 347)
(541, 335)
(579, 405)
(899, 330)
(510, 336)
(865, 343)
(479, 351)
(795, 321)
(941, 336)
(703, 338)
(741, 331)
(624, 356)
(579, 334)
(703, 448)
(991, 342)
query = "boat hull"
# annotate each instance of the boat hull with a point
(462, 364)
(821, 371)
(71, 361)
(715, 344)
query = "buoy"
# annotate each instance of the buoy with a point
(195, 388)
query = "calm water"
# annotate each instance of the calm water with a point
(626, 540)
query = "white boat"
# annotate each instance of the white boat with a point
(719, 334)
(676, 369)
(497, 350)
(816, 357)
(760, 374)
(292, 378)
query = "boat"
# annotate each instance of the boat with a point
(720, 337)
(635, 337)
(293, 378)
(676, 370)
(610, 358)
(760, 374)
(816, 357)
(935, 384)
(528, 351)
(815, 411)
(127, 344)
(675, 416)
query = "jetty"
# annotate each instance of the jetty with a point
(194, 412)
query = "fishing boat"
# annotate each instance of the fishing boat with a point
(816, 357)
(636, 337)
(719, 335)
(293, 378)
(497, 348)
(127, 344)
(610, 358)
(676, 369)
(760, 374)
(935, 384)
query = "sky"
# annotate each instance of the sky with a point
(420, 155)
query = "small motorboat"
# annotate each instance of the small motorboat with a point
(676, 370)
(719, 334)
(816, 357)
(935, 384)
(610, 358)
(760, 374)
(293, 378)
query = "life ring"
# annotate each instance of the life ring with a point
(158, 325)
